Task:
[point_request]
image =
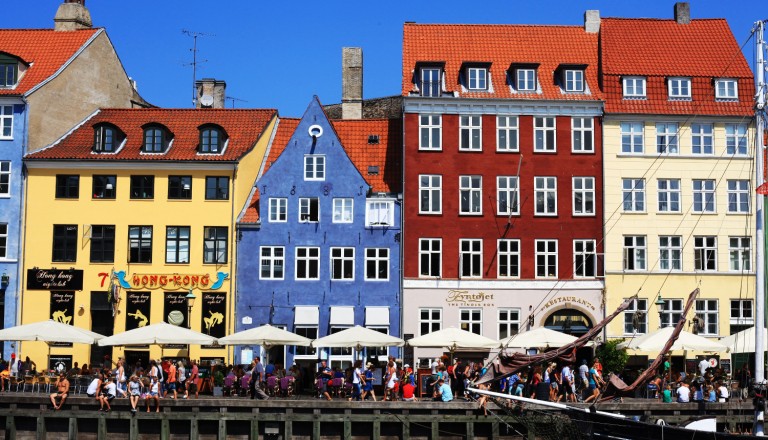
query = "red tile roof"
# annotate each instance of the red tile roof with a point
(43, 50)
(243, 127)
(658, 49)
(501, 46)
(353, 134)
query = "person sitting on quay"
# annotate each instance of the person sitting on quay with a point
(154, 394)
(108, 392)
(408, 390)
(134, 391)
(444, 392)
(94, 387)
(684, 393)
(666, 395)
(62, 391)
(5, 376)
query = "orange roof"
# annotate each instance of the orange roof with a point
(45, 51)
(243, 128)
(501, 46)
(353, 135)
(657, 49)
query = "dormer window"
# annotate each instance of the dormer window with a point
(574, 80)
(679, 88)
(156, 139)
(523, 77)
(211, 139)
(107, 138)
(9, 71)
(477, 78)
(634, 87)
(727, 89)
(430, 82)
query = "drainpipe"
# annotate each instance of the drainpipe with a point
(233, 263)
(20, 278)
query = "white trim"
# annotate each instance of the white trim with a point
(343, 259)
(546, 254)
(430, 189)
(471, 253)
(479, 106)
(377, 316)
(541, 284)
(342, 316)
(308, 259)
(378, 261)
(680, 80)
(306, 316)
(470, 321)
(342, 204)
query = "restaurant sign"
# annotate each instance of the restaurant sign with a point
(458, 298)
(169, 281)
(54, 279)
(568, 300)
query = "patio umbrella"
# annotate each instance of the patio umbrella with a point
(161, 334)
(452, 338)
(358, 337)
(653, 342)
(266, 336)
(539, 337)
(743, 341)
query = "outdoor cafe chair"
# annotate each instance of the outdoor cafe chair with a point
(43, 381)
(14, 382)
(29, 381)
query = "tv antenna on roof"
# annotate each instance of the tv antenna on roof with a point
(233, 99)
(195, 62)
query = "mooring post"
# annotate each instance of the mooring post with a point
(406, 430)
(193, 430)
(254, 424)
(495, 431)
(72, 431)
(376, 434)
(470, 430)
(222, 429)
(133, 429)
(165, 428)
(101, 426)
(10, 427)
(435, 430)
(40, 428)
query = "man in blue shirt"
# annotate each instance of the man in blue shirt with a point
(444, 391)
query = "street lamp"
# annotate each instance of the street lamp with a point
(660, 306)
(190, 302)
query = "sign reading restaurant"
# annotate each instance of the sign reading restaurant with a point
(54, 279)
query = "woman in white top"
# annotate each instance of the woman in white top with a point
(108, 393)
(94, 388)
(391, 379)
(181, 379)
(357, 380)
(122, 385)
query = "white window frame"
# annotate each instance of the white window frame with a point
(306, 260)
(736, 139)
(430, 91)
(670, 252)
(585, 250)
(679, 88)
(434, 246)
(633, 195)
(669, 195)
(705, 253)
(740, 254)
(471, 188)
(431, 189)
(546, 258)
(707, 310)
(379, 213)
(272, 259)
(314, 167)
(574, 80)
(702, 139)
(673, 311)
(343, 209)
(507, 195)
(305, 209)
(344, 256)
(470, 133)
(6, 167)
(310, 352)
(508, 250)
(583, 196)
(741, 318)
(635, 253)
(472, 319)
(278, 210)
(471, 254)
(738, 196)
(508, 134)
(727, 89)
(430, 320)
(704, 196)
(477, 78)
(508, 324)
(525, 80)
(545, 187)
(3, 241)
(431, 131)
(544, 134)
(378, 257)
(6, 122)
(632, 137)
(667, 140)
(636, 305)
(633, 87)
(582, 135)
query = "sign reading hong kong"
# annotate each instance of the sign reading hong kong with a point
(169, 281)
(464, 298)
(54, 279)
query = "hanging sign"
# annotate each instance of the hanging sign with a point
(54, 279)
(174, 281)
(138, 308)
(214, 314)
(63, 311)
(175, 312)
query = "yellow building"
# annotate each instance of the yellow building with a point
(679, 176)
(129, 214)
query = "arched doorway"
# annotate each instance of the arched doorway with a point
(569, 321)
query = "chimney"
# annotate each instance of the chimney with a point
(683, 13)
(352, 83)
(71, 16)
(210, 93)
(592, 21)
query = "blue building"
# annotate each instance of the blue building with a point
(319, 243)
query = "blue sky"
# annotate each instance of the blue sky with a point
(279, 54)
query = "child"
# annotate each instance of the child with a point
(108, 393)
(134, 390)
(666, 396)
(154, 393)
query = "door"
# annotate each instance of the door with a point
(102, 322)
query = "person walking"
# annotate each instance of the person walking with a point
(192, 380)
(357, 381)
(368, 384)
(257, 378)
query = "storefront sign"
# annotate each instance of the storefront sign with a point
(175, 312)
(170, 281)
(464, 298)
(54, 279)
(63, 311)
(214, 314)
(138, 308)
(568, 300)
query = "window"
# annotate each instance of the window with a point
(583, 196)
(210, 140)
(278, 210)
(507, 134)
(215, 244)
(634, 87)
(314, 167)
(430, 257)
(309, 210)
(669, 195)
(64, 243)
(584, 259)
(666, 138)
(471, 320)
(470, 128)
(180, 187)
(67, 186)
(471, 258)
(701, 138)
(670, 252)
(507, 195)
(379, 213)
(635, 317)
(634, 252)
(430, 194)
(470, 194)
(6, 117)
(477, 78)
(430, 129)
(705, 253)
(309, 333)
(377, 264)
(581, 129)
(342, 210)
(104, 187)
(272, 262)
(430, 81)
(544, 135)
(726, 88)
(9, 69)
(216, 188)
(525, 80)
(307, 263)
(177, 244)
(706, 311)
(738, 196)
(739, 254)
(546, 258)
(106, 138)
(546, 195)
(155, 140)
(704, 195)
(673, 310)
(5, 178)
(632, 137)
(102, 244)
(741, 312)
(574, 80)
(509, 258)
(736, 139)
(430, 320)
(142, 187)
(3, 241)
(633, 193)
(342, 263)
(509, 322)
(140, 244)
(679, 88)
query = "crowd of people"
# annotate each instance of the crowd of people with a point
(707, 384)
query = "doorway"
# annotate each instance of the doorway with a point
(568, 321)
(102, 322)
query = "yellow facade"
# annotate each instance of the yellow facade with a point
(44, 210)
(724, 284)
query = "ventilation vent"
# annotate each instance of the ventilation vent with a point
(373, 139)
(373, 169)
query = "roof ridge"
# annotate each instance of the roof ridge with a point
(663, 19)
(497, 24)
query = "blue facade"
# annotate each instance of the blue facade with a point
(11, 151)
(368, 294)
